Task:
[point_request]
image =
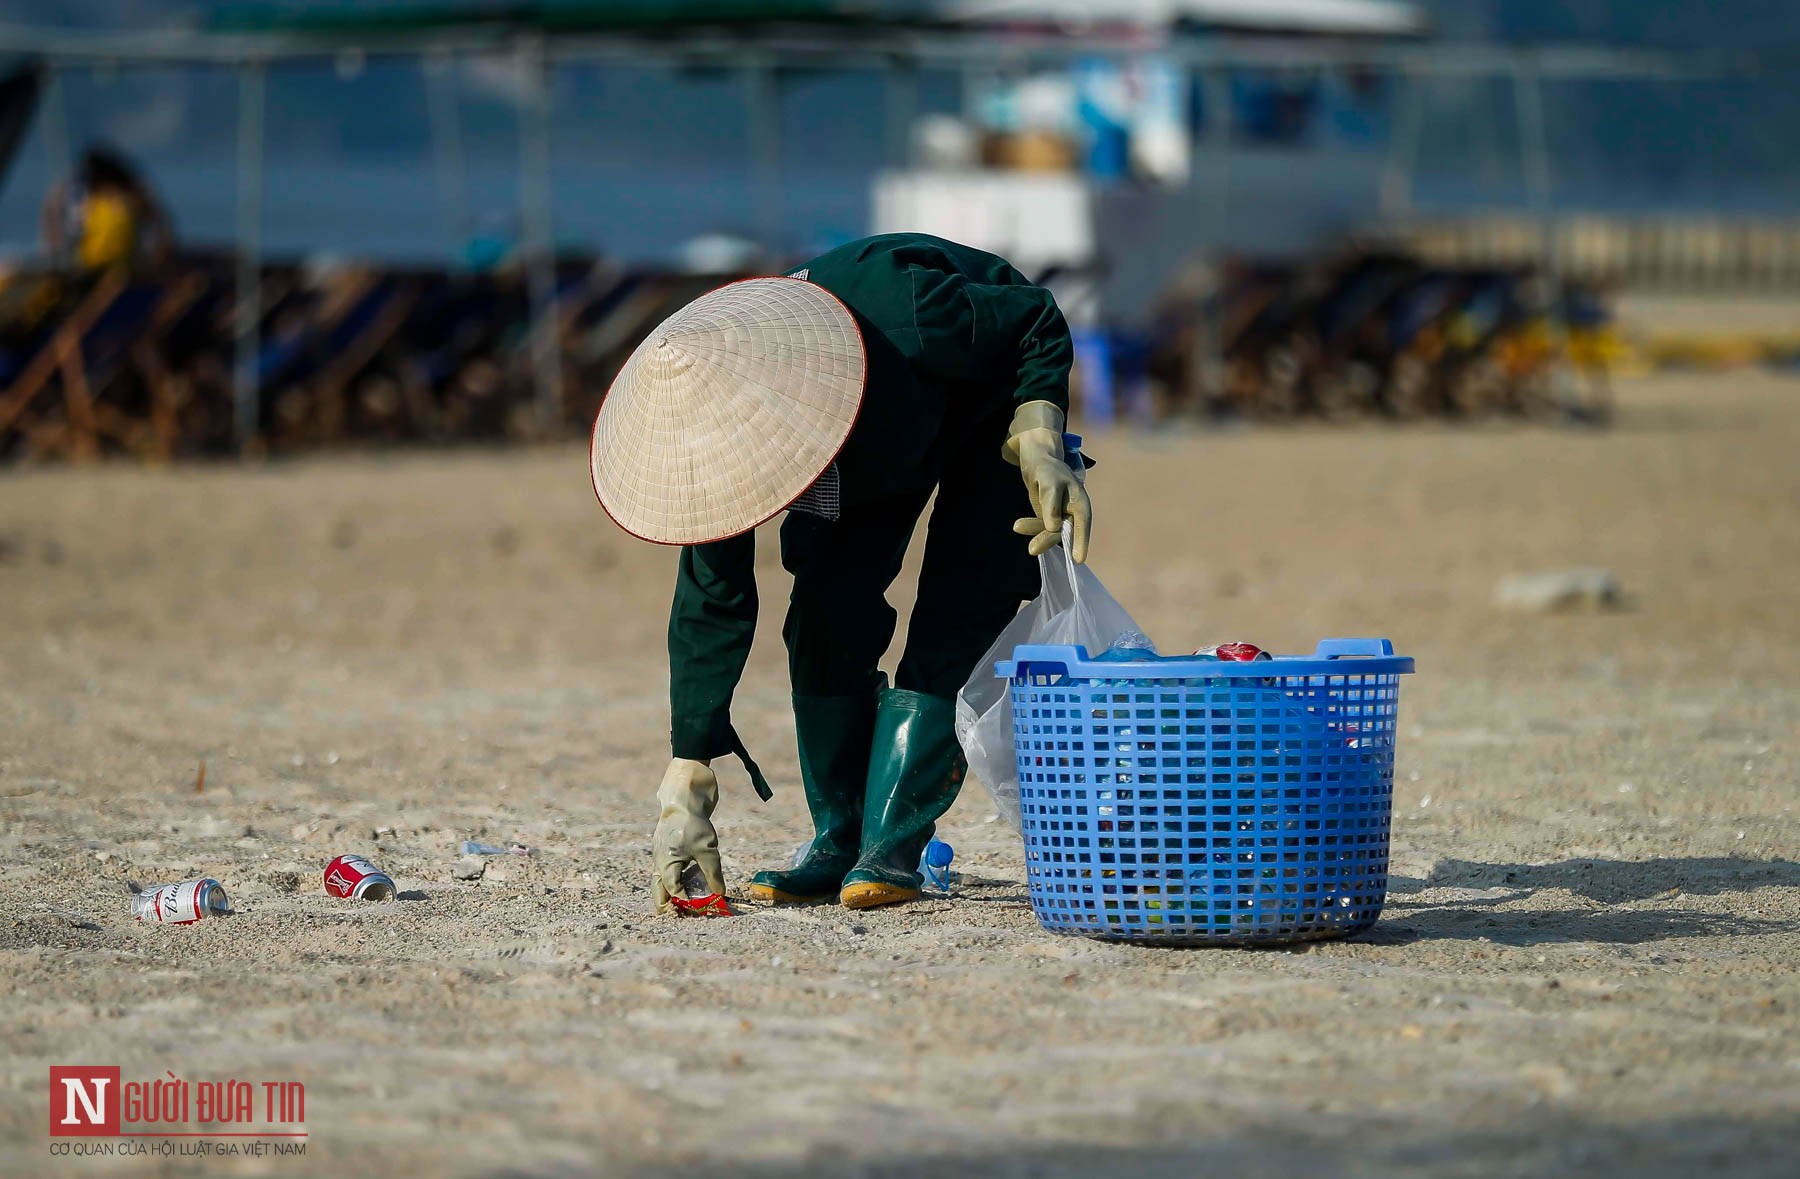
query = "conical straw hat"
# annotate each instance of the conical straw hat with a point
(728, 411)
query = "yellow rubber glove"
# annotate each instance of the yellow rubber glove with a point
(684, 832)
(1034, 445)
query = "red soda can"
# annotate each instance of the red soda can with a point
(181, 904)
(1235, 652)
(355, 879)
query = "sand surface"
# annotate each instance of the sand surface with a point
(1587, 964)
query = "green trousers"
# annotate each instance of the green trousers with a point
(875, 786)
(976, 572)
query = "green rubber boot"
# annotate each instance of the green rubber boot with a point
(915, 774)
(834, 734)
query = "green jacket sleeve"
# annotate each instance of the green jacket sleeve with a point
(1023, 330)
(711, 625)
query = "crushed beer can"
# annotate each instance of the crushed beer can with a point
(355, 879)
(700, 900)
(711, 904)
(181, 904)
(1235, 652)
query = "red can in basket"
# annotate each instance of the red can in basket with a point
(355, 879)
(1235, 652)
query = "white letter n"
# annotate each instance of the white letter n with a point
(73, 1088)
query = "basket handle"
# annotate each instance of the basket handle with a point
(1031, 659)
(1351, 648)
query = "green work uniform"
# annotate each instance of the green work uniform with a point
(956, 340)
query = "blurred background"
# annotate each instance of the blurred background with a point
(1354, 283)
(259, 227)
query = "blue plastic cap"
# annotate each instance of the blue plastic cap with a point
(939, 854)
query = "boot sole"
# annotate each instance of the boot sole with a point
(774, 896)
(871, 894)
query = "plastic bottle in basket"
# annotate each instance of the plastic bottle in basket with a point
(181, 904)
(1129, 647)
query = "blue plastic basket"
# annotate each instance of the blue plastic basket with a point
(1193, 802)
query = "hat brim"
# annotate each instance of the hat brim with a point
(768, 416)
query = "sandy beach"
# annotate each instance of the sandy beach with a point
(1587, 964)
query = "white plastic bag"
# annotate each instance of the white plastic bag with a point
(1072, 608)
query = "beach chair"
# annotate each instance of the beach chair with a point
(317, 344)
(89, 358)
(354, 343)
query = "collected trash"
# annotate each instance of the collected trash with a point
(1135, 646)
(700, 900)
(1319, 851)
(1560, 589)
(354, 878)
(182, 903)
(1127, 646)
(472, 847)
(1074, 608)
(1234, 652)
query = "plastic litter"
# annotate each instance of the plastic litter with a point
(472, 847)
(1560, 589)
(934, 865)
(1072, 609)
